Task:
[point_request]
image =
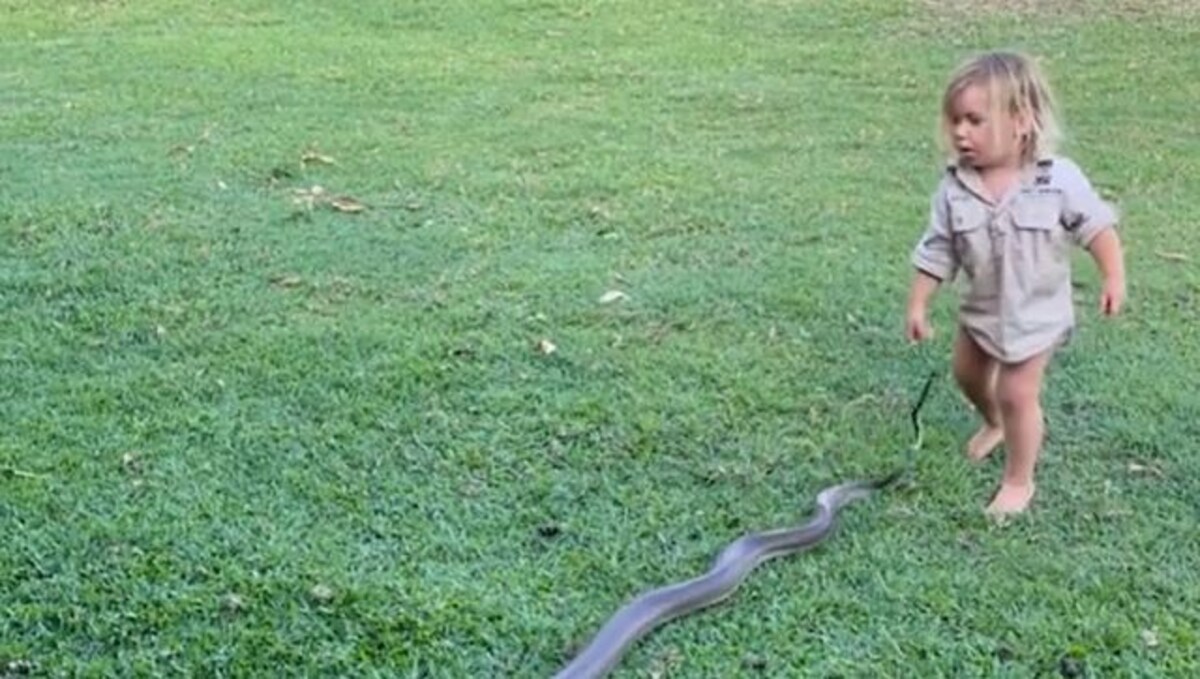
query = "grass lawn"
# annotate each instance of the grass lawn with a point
(279, 283)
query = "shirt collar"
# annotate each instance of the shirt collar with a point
(970, 179)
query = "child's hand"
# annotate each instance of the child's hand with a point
(1112, 296)
(916, 324)
(918, 328)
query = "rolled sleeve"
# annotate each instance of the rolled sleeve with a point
(934, 253)
(1085, 214)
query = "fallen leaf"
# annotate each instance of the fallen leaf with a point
(311, 157)
(232, 603)
(308, 198)
(347, 204)
(546, 347)
(287, 280)
(1138, 468)
(322, 594)
(1172, 256)
(315, 191)
(613, 296)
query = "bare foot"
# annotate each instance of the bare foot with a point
(1011, 499)
(984, 442)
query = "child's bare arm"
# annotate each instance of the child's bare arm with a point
(923, 287)
(935, 261)
(1105, 248)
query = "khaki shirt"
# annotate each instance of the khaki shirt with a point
(1014, 255)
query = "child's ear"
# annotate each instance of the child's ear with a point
(1023, 124)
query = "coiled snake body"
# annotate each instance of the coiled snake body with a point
(659, 606)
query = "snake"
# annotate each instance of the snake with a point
(733, 564)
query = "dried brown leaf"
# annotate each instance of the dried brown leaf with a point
(311, 157)
(287, 280)
(321, 593)
(347, 204)
(1139, 468)
(232, 603)
(545, 347)
(310, 197)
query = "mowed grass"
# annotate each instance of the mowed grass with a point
(247, 433)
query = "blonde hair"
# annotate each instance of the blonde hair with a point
(1015, 86)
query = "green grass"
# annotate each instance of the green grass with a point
(246, 437)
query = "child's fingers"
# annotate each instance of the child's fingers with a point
(918, 332)
(1109, 304)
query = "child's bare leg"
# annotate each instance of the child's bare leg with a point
(976, 373)
(1019, 394)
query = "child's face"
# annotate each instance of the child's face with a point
(983, 137)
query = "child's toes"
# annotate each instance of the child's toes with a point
(1011, 499)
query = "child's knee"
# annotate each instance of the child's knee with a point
(969, 371)
(1017, 395)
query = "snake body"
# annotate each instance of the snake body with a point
(659, 606)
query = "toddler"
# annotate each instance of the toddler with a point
(1004, 218)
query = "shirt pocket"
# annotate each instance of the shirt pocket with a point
(1037, 214)
(969, 233)
(1041, 243)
